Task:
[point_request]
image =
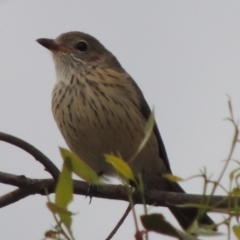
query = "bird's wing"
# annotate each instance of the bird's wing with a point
(146, 112)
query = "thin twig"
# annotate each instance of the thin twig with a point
(120, 222)
(39, 156)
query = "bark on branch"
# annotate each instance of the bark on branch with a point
(27, 186)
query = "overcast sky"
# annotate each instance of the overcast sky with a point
(184, 55)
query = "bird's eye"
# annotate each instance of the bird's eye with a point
(82, 46)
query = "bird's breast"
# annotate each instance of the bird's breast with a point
(96, 119)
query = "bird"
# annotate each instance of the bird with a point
(100, 109)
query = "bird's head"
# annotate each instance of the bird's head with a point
(80, 51)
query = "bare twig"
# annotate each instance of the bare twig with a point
(120, 222)
(39, 156)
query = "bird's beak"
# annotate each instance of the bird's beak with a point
(52, 45)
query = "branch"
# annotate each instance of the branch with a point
(120, 222)
(39, 156)
(29, 187)
(21, 193)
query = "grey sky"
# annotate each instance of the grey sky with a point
(184, 55)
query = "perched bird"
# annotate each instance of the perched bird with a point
(100, 109)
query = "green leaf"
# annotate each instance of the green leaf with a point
(157, 223)
(147, 134)
(64, 189)
(120, 166)
(64, 214)
(64, 194)
(58, 210)
(79, 167)
(232, 173)
(194, 205)
(235, 192)
(172, 177)
(198, 229)
(204, 230)
(236, 230)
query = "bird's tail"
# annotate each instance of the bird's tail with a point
(186, 216)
